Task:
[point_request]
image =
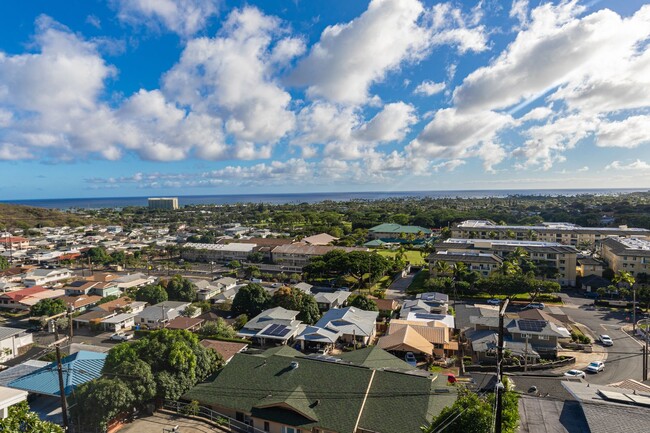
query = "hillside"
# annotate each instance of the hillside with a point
(25, 217)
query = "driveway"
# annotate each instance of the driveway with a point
(159, 421)
(397, 289)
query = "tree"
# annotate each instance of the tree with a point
(98, 255)
(48, 307)
(190, 311)
(240, 321)
(234, 264)
(97, 402)
(4, 263)
(106, 299)
(22, 420)
(152, 294)
(359, 265)
(292, 298)
(442, 268)
(251, 300)
(180, 289)
(218, 328)
(364, 303)
(138, 377)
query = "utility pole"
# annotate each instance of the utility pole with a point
(633, 310)
(646, 333)
(64, 404)
(526, 355)
(499, 388)
(69, 316)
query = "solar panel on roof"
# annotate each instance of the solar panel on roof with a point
(531, 325)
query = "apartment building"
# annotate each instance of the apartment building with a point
(626, 254)
(221, 253)
(483, 263)
(293, 257)
(563, 233)
(549, 254)
(166, 203)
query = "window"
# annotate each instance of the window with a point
(290, 430)
(267, 426)
(542, 337)
(523, 335)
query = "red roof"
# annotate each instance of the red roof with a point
(182, 322)
(21, 294)
(12, 239)
(227, 349)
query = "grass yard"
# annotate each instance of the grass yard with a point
(412, 256)
(417, 285)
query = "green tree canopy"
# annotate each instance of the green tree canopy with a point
(359, 265)
(153, 294)
(295, 299)
(4, 263)
(180, 289)
(251, 300)
(218, 328)
(97, 402)
(364, 303)
(48, 307)
(22, 420)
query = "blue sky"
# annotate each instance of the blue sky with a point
(134, 97)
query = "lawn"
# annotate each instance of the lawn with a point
(412, 256)
(417, 285)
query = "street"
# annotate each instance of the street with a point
(624, 358)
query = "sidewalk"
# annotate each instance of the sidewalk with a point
(583, 359)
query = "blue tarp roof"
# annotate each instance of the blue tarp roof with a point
(78, 368)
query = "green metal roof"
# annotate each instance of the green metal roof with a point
(375, 357)
(398, 228)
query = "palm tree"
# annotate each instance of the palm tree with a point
(626, 279)
(458, 269)
(531, 235)
(510, 234)
(442, 268)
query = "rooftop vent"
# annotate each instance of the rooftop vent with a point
(294, 365)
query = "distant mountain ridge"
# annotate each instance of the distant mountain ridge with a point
(14, 216)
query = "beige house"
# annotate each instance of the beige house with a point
(483, 263)
(293, 257)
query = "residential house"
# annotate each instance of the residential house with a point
(14, 242)
(328, 300)
(227, 349)
(8, 398)
(387, 307)
(93, 318)
(206, 290)
(275, 326)
(422, 311)
(43, 277)
(130, 281)
(354, 324)
(226, 283)
(544, 336)
(19, 370)
(80, 303)
(313, 338)
(24, 299)
(627, 254)
(591, 283)
(564, 233)
(78, 369)
(428, 338)
(301, 400)
(157, 316)
(438, 302)
(104, 289)
(304, 287)
(191, 324)
(12, 342)
(122, 305)
(78, 288)
(119, 322)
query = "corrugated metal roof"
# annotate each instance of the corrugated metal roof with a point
(78, 369)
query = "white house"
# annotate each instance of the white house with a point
(42, 277)
(157, 316)
(121, 322)
(11, 340)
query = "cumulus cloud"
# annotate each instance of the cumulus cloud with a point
(450, 165)
(352, 56)
(429, 88)
(519, 11)
(629, 133)
(185, 17)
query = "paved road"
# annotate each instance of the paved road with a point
(624, 358)
(397, 289)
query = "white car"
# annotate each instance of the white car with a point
(575, 373)
(606, 340)
(596, 367)
(121, 337)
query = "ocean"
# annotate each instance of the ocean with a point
(294, 198)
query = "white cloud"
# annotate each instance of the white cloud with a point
(629, 133)
(429, 88)
(392, 123)
(185, 17)
(637, 165)
(538, 113)
(583, 169)
(450, 165)
(519, 11)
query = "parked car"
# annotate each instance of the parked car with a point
(606, 340)
(596, 367)
(535, 305)
(121, 337)
(493, 301)
(592, 295)
(575, 373)
(410, 359)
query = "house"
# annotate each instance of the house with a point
(420, 310)
(191, 324)
(354, 324)
(320, 239)
(105, 289)
(438, 302)
(275, 326)
(130, 281)
(483, 263)
(587, 265)
(80, 303)
(226, 283)
(78, 288)
(387, 307)
(403, 334)
(42, 277)
(541, 335)
(12, 340)
(483, 345)
(301, 396)
(206, 290)
(93, 318)
(24, 299)
(227, 349)
(304, 287)
(78, 369)
(157, 316)
(122, 305)
(20, 370)
(119, 322)
(14, 242)
(328, 300)
(591, 283)
(8, 398)
(313, 339)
